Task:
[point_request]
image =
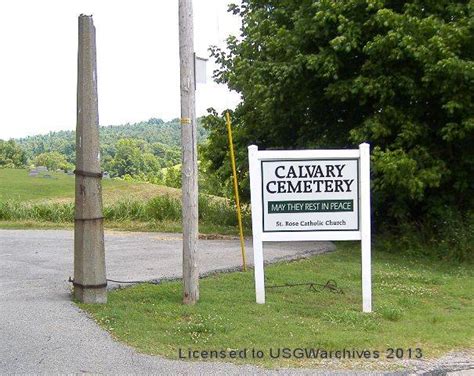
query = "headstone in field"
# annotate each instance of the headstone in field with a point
(90, 281)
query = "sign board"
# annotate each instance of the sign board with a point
(310, 195)
(200, 74)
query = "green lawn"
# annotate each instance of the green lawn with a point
(418, 304)
(15, 184)
(39, 202)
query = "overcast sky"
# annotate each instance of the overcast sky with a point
(137, 61)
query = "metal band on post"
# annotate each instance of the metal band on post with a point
(89, 219)
(101, 286)
(89, 174)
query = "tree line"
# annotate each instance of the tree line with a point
(145, 151)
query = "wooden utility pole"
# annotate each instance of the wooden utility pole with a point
(189, 154)
(89, 255)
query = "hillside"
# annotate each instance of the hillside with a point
(156, 132)
(47, 201)
(15, 184)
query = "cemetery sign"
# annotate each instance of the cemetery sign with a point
(311, 195)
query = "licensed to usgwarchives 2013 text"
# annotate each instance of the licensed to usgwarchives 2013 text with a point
(300, 353)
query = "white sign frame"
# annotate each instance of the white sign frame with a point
(363, 234)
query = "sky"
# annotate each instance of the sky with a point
(137, 61)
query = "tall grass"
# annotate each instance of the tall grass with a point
(449, 237)
(160, 208)
(48, 212)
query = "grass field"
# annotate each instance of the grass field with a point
(419, 304)
(15, 184)
(29, 202)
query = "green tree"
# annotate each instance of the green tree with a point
(11, 155)
(162, 139)
(53, 161)
(169, 155)
(172, 176)
(215, 155)
(335, 73)
(132, 157)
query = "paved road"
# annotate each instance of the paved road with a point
(41, 331)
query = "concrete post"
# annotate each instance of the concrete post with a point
(89, 255)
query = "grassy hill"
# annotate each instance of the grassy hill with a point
(15, 184)
(38, 202)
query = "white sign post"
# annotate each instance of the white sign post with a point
(311, 195)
